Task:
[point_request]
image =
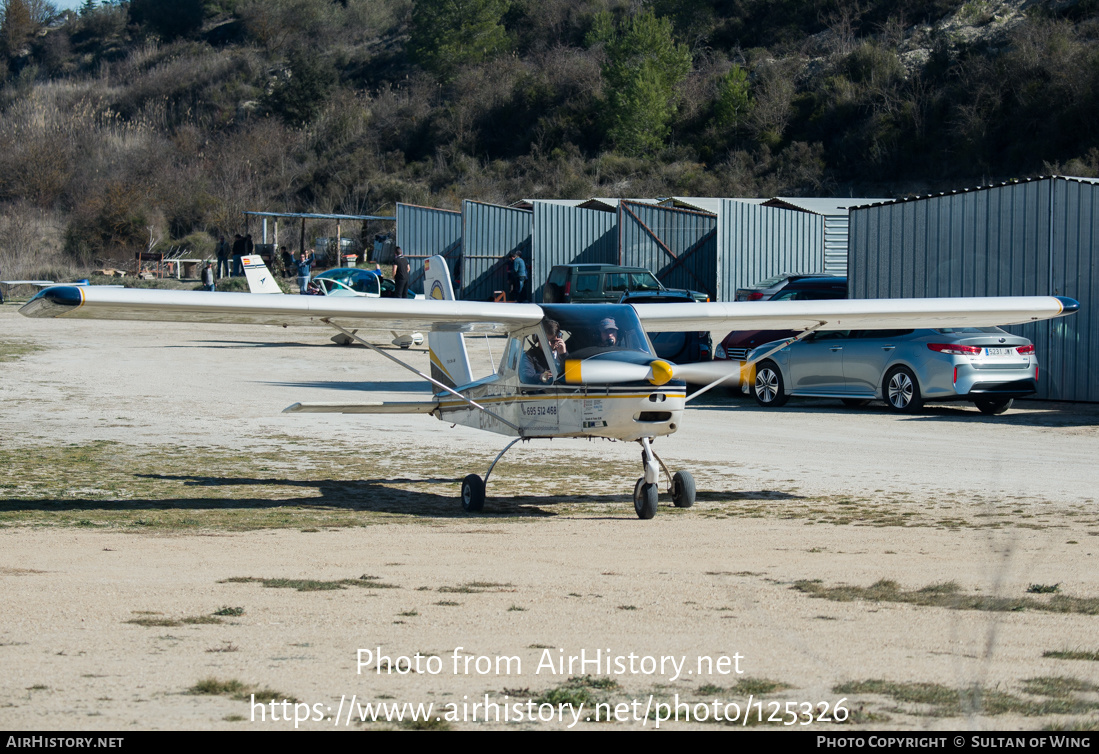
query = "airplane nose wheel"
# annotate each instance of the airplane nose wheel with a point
(644, 499)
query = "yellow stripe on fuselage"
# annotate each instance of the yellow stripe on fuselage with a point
(572, 397)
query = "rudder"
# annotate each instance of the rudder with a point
(260, 279)
(449, 360)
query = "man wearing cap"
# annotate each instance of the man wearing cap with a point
(608, 332)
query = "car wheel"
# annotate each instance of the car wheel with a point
(768, 389)
(902, 391)
(855, 402)
(994, 406)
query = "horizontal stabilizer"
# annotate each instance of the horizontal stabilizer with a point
(380, 407)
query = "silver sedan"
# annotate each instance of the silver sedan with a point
(905, 368)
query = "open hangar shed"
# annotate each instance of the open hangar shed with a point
(1032, 237)
(714, 245)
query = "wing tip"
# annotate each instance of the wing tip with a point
(54, 301)
(1068, 305)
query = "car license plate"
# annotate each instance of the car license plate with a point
(998, 351)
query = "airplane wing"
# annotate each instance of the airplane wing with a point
(384, 315)
(853, 314)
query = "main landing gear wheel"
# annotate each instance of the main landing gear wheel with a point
(683, 489)
(644, 499)
(994, 406)
(473, 494)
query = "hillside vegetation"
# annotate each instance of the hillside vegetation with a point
(129, 124)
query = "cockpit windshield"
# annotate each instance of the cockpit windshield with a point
(592, 329)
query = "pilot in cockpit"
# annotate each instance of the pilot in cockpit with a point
(534, 368)
(608, 332)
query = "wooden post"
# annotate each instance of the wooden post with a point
(339, 246)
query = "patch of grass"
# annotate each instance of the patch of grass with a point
(10, 350)
(602, 683)
(312, 585)
(239, 690)
(477, 587)
(149, 622)
(759, 686)
(233, 611)
(226, 646)
(1057, 686)
(947, 594)
(199, 620)
(709, 689)
(408, 614)
(431, 723)
(1068, 654)
(448, 603)
(937, 700)
(1043, 588)
(516, 609)
(567, 694)
(627, 607)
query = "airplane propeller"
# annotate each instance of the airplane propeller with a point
(658, 371)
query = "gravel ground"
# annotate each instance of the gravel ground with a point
(110, 625)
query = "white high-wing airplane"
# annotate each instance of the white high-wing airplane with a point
(568, 370)
(260, 280)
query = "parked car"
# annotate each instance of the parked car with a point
(677, 347)
(601, 284)
(353, 281)
(736, 344)
(765, 290)
(904, 368)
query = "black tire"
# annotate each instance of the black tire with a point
(683, 489)
(644, 499)
(993, 406)
(855, 402)
(768, 389)
(551, 294)
(473, 494)
(901, 391)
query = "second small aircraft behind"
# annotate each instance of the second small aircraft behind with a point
(567, 370)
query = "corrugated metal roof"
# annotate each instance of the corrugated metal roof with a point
(711, 204)
(317, 216)
(955, 192)
(821, 206)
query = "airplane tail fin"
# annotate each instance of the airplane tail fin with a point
(449, 360)
(260, 279)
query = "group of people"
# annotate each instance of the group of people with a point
(243, 245)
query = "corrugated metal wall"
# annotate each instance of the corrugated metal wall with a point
(757, 242)
(835, 243)
(1032, 238)
(489, 232)
(570, 235)
(679, 245)
(1073, 362)
(423, 232)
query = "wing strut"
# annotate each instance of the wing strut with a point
(803, 334)
(434, 382)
